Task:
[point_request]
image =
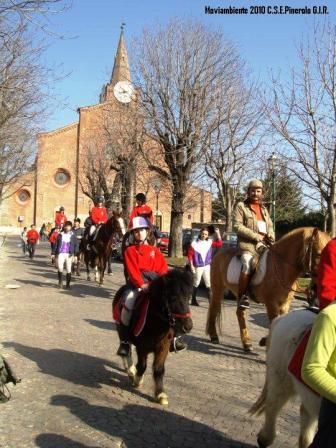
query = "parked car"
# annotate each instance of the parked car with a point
(229, 239)
(164, 241)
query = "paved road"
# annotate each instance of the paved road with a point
(75, 394)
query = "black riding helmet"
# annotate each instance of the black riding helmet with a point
(99, 199)
(141, 197)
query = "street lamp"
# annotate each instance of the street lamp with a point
(157, 188)
(272, 161)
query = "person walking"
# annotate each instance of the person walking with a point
(254, 228)
(43, 232)
(23, 237)
(79, 233)
(32, 240)
(200, 256)
(64, 249)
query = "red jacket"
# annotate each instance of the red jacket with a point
(98, 215)
(33, 236)
(60, 219)
(142, 210)
(326, 277)
(53, 237)
(143, 257)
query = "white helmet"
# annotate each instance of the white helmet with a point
(139, 223)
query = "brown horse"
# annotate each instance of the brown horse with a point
(296, 252)
(98, 256)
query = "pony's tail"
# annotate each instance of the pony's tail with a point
(259, 406)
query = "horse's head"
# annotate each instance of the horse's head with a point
(315, 241)
(119, 224)
(174, 290)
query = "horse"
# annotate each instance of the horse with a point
(168, 312)
(296, 252)
(101, 248)
(280, 385)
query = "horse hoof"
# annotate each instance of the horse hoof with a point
(260, 443)
(162, 399)
(138, 381)
(214, 340)
(248, 348)
(263, 342)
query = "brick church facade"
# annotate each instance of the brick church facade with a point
(57, 177)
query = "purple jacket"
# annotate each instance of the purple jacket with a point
(200, 252)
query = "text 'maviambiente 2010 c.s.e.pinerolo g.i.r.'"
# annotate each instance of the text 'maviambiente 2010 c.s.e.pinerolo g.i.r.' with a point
(266, 9)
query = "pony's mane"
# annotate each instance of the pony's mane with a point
(306, 231)
(177, 282)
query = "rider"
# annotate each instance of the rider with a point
(254, 228)
(98, 216)
(200, 257)
(60, 217)
(145, 211)
(326, 275)
(143, 263)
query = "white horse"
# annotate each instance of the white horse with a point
(280, 385)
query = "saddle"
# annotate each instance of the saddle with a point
(139, 314)
(295, 364)
(259, 269)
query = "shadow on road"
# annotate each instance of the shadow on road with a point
(203, 345)
(77, 368)
(58, 441)
(260, 319)
(139, 426)
(103, 324)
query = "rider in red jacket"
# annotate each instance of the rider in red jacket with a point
(143, 263)
(60, 218)
(98, 216)
(141, 209)
(32, 239)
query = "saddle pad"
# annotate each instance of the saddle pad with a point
(235, 265)
(139, 314)
(295, 364)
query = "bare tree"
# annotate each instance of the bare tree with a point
(113, 155)
(23, 80)
(303, 113)
(183, 70)
(230, 153)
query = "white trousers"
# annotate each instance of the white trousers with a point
(64, 259)
(126, 313)
(202, 271)
(246, 258)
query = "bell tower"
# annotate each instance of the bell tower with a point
(121, 70)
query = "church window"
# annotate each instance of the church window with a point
(62, 177)
(23, 196)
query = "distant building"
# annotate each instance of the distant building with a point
(57, 177)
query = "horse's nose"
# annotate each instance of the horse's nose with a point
(187, 325)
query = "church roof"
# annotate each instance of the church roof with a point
(121, 69)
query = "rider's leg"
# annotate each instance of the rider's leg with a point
(244, 279)
(68, 263)
(126, 315)
(60, 266)
(197, 279)
(206, 278)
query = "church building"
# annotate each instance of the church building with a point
(57, 178)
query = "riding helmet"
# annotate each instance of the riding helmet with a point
(61, 209)
(139, 223)
(141, 197)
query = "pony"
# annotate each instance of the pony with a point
(280, 385)
(296, 252)
(98, 256)
(168, 312)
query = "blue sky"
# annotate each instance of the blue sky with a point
(93, 27)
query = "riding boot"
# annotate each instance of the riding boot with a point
(243, 300)
(208, 290)
(125, 346)
(60, 283)
(68, 280)
(193, 299)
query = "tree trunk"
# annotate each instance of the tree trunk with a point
(176, 224)
(116, 192)
(228, 210)
(127, 190)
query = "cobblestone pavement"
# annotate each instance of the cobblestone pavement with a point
(75, 394)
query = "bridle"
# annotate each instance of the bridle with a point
(173, 316)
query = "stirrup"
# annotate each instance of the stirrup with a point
(244, 302)
(177, 345)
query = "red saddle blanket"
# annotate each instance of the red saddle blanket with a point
(295, 364)
(139, 314)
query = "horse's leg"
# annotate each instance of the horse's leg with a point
(160, 356)
(244, 334)
(214, 311)
(308, 426)
(78, 265)
(129, 366)
(87, 264)
(140, 368)
(276, 397)
(109, 265)
(96, 274)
